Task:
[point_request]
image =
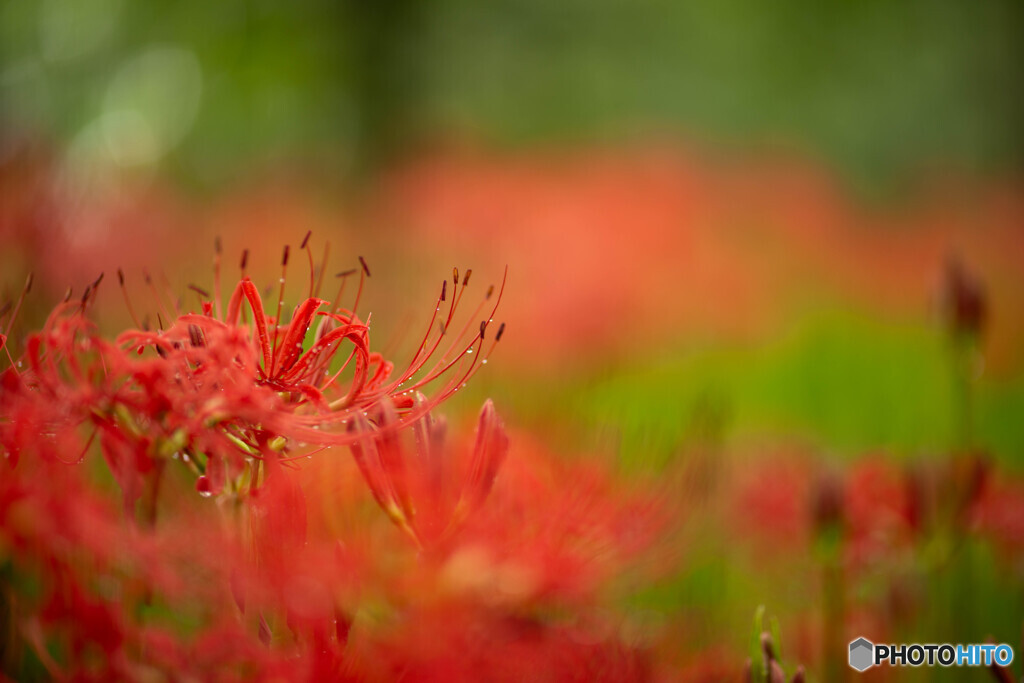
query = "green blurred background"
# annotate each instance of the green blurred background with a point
(878, 89)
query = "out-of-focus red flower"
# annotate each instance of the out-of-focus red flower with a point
(701, 247)
(878, 515)
(770, 503)
(414, 482)
(999, 515)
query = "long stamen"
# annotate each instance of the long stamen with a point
(21, 298)
(365, 273)
(90, 292)
(323, 269)
(277, 319)
(127, 299)
(341, 289)
(201, 293)
(243, 267)
(217, 251)
(441, 367)
(171, 296)
(413, 368)
(312, 270)
(156, 294)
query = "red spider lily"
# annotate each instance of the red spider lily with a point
(499, 582)
(219, 392)
(261, 384)
(409, 482)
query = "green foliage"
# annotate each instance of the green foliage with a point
(848, 384)
(878, 88)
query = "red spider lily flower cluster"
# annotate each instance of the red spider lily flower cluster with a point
(229, 386)
(247, 581)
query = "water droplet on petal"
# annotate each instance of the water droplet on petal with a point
(203, 487)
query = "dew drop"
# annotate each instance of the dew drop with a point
(203, 486)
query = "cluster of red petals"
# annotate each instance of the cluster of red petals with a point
(220, 388)
(503, 574)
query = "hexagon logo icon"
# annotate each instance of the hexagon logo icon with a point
(862, 654)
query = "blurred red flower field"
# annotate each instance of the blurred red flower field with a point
(216, 472)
